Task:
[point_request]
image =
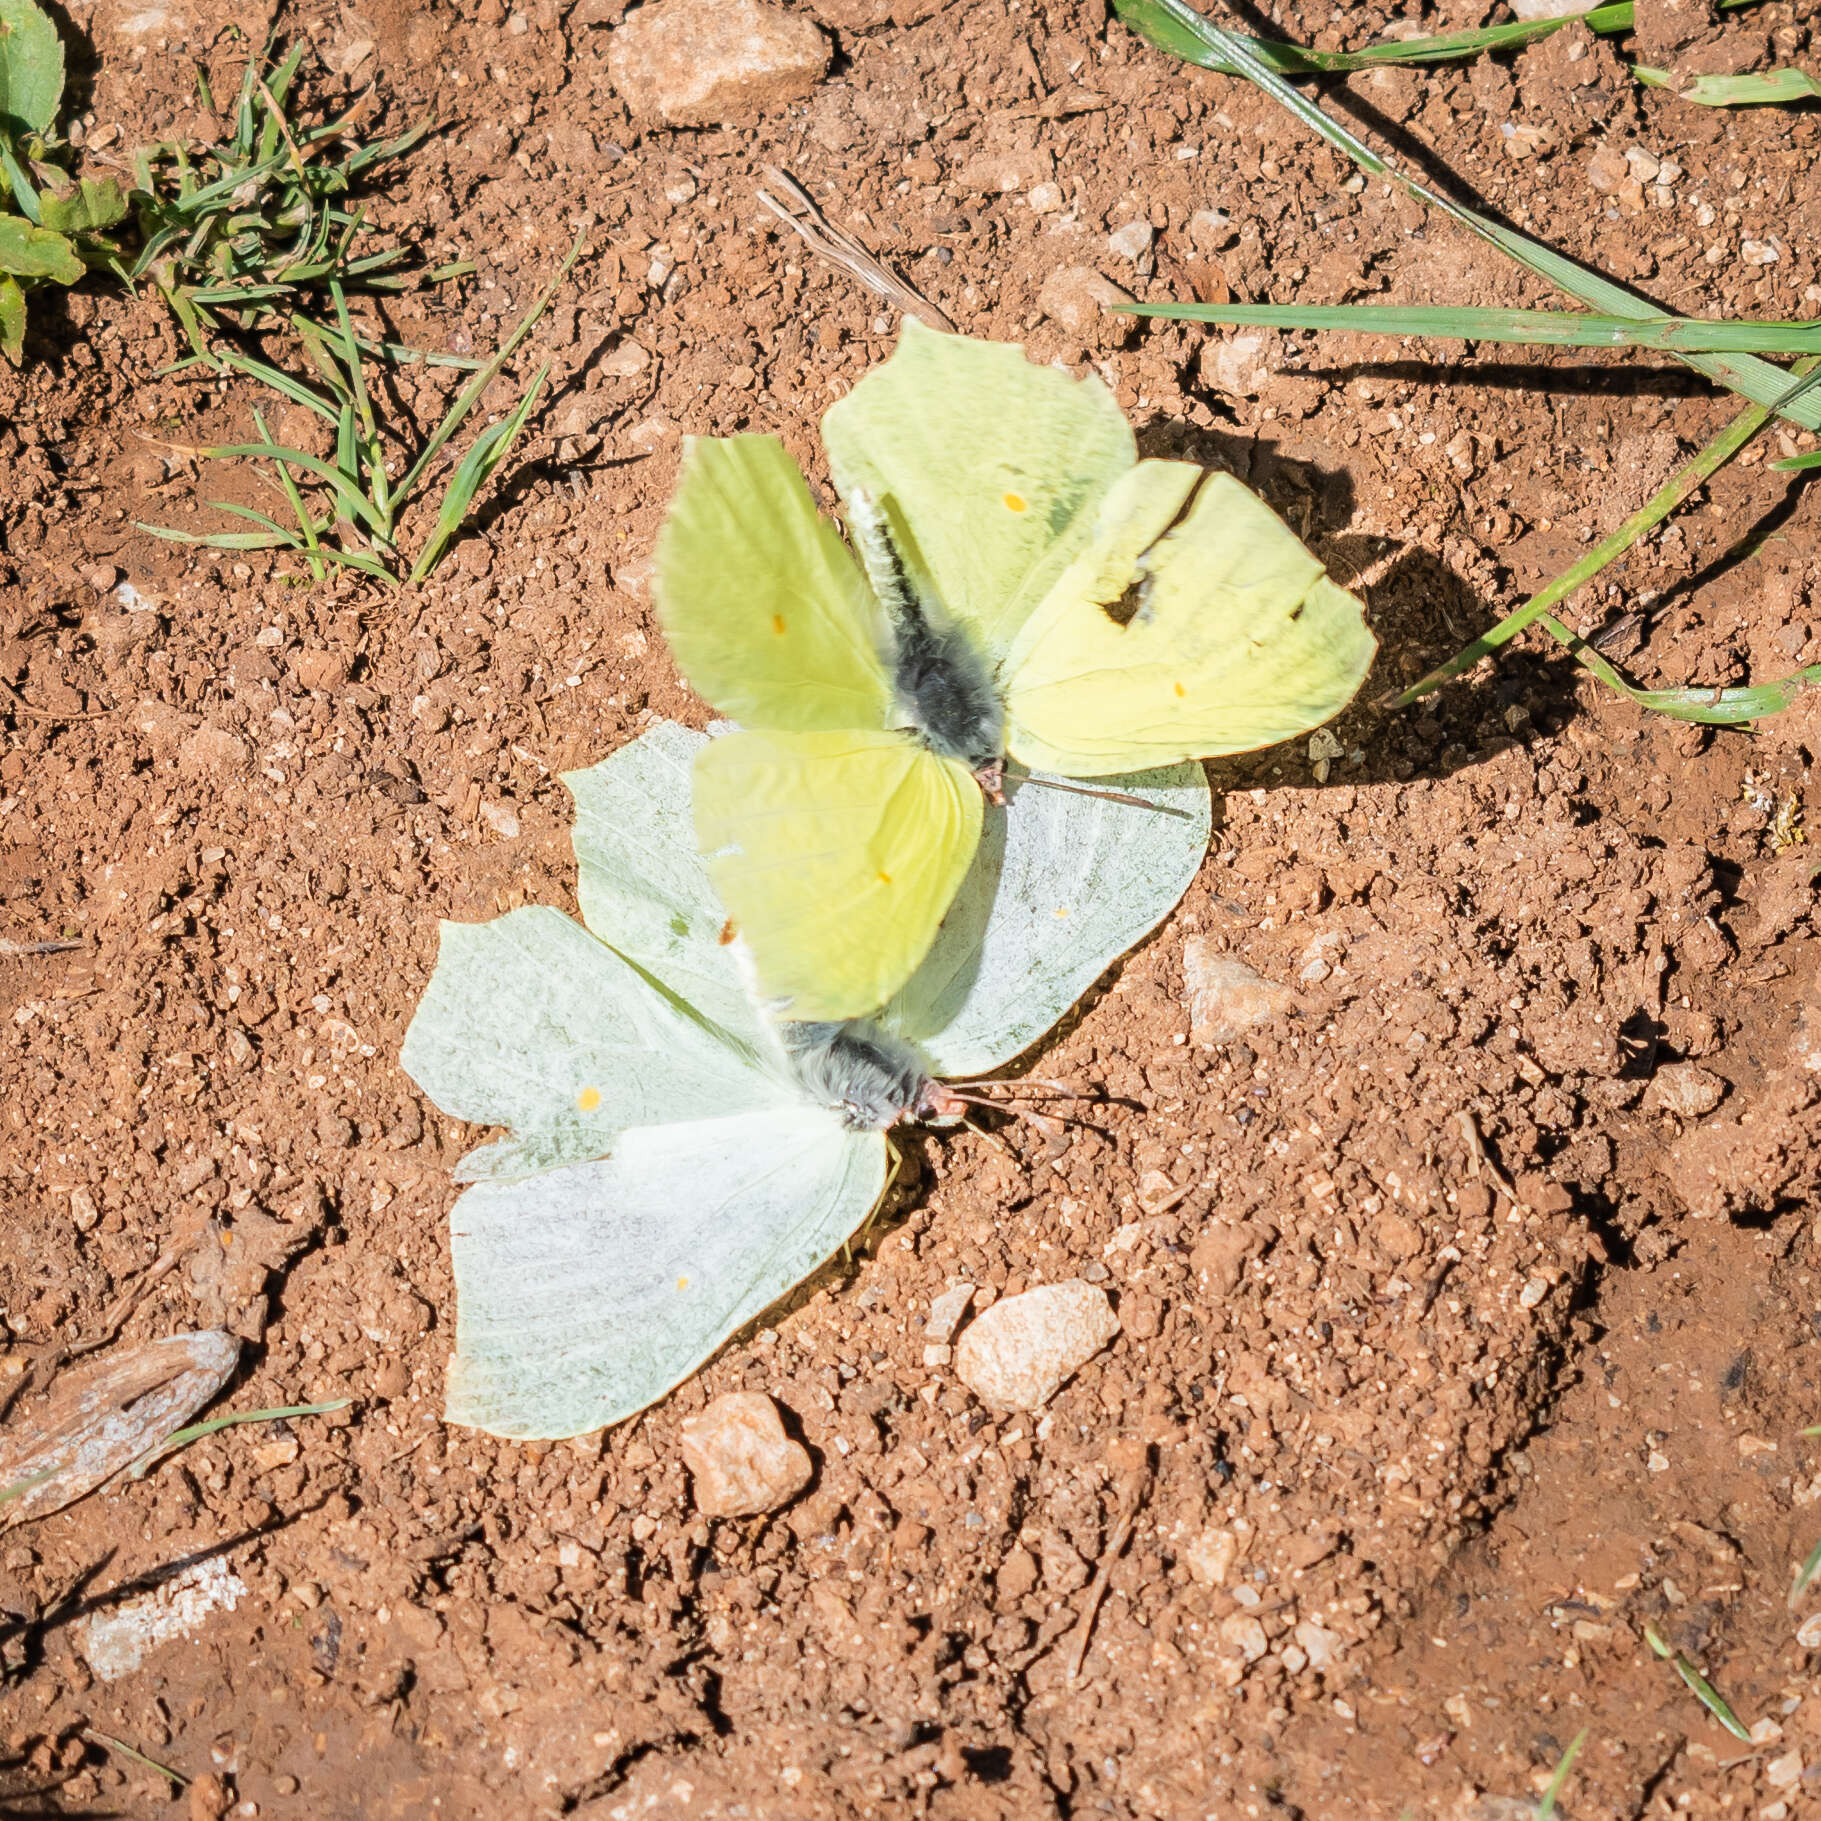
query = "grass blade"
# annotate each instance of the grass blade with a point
(1754, 379)
(476, 469)
(219, 540)
(1545, 328)
(356, 504)
(1545, 1809)
(1806, 1573)
(1703, 1690)
(471, 393)
(183, 1437)
(175, 1778)
(1667, 498)
(1778, 88)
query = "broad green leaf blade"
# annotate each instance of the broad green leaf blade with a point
(220, 540)
(530, 1023)
(1061, 887)
(31, 252)
(85, 207)
(1547, 328)
(355, 504)
(1759, 88)
(586, 1293)
(31, 67)
(641, 883)
(12, 320)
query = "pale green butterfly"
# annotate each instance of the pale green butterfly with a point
(1026, 587)
(676, 1162)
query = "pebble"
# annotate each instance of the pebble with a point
(1018, 1354)
(1242, 1635)
(211, 751)
(1210, 1557)
(1045, 198)
(1000, 173)
(1234, 364)
(1552, 9)
(1226, 998)
(1685, 1089)
(1808, 1633)
(740, 1459)
(1132, 241)
(946, 1312)
(707, 62)
(1082, 300)
(1784, 1772)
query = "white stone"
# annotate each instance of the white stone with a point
(1017, 1355)
(739, 1457)
(1082, 300)
(946, 1312)
(1210, 1556)
(1132, 241)
(1226, 998)
(706, 62)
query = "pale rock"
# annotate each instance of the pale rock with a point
(1784, 1772)
(1607, 169)
(1000, 173)
(1045, 198)
(708, 62)
(1552, 9)
(501, 818)
(1685, 1089)
(83, 1211)
(1235, 364)
(625, 360)
(1017, 1354)
(945, 1313)
(1808, 1633)
(211, 752)
(1083, 301)
(1226, 998)
(1132, 241)
(1242, 1635)
(1210, 1557)
(1210, 230)
(739, 1457)
(1323, 1646)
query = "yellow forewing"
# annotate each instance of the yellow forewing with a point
(835, 855)
(994, 463)
(768, 615)
(1235, 637)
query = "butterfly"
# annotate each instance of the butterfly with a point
(1026, 587)
(675, 1160)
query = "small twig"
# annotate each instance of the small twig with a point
(61, 947)
(177, 1779)
(1482, 1158)
(47, 714)
(120, 1310)
(1137, 1485)
(798, 212)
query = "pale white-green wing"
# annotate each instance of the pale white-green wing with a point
(995, 464)
(641, 881)
(1062, 886)
(586, 1293)
(529, 1023)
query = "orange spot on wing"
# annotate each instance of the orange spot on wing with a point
(588, 1099)
(885, 878)
(1180, 690)
(728, 932)
(777, 623)
(682, 1283)
(1013, 502)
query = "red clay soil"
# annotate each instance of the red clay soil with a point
(1469, 1313)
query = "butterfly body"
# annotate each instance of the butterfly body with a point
(871, 1078)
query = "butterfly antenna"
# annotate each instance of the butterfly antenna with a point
(980, 1131)
(1110, 796)
(1058, 1090)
